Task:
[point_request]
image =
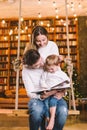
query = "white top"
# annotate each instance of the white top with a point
(49, 49)
(49, 80)
(31, 77)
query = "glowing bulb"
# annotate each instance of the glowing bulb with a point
(68, 5)
(11, 31)
(79, 5)
(29, 35)
(48, 25)
(57, 16)
(76, 19)
(39, 15)
(22, 31)
(75, 15)
(39, 2)
(5, 38)
(3, 21)
(72, 9)
(56, 10)
(22, 19)
(16, 37)
(54, 3)
(26, 28)
(41, 22)
(72, 5)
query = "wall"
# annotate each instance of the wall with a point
(82, 39)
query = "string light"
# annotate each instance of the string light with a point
(39, 2)
(79, 5)
(29, 35)
(72, 4)
(11, 31)
(68, 5)
(41, 22)
(22, 19)
(22, 31)
(3, 21)
(16, 37)
(54, 3)
(74, 15)
(57, 16)
(48, 25)
(39, 15)
(72, 9)
(56, 10)
(76, 19)
(26, 28)
(5, 38)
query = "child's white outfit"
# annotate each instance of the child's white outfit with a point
(58, 79)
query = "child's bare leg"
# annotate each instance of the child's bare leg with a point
(52, 118)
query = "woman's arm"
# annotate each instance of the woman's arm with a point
(46, 94)
(29, 86)
(55, 92)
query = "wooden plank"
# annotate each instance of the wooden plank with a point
(25, 112)
(73, 112)
(12, 106)
(21, 112)
(6, 111)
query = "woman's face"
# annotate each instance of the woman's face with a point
(41, 40)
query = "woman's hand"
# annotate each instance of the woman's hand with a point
(46, 94)
(55, 92)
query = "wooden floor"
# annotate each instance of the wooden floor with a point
(79, 126)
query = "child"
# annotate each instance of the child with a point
(53, 76)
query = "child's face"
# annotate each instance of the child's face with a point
(52, 68)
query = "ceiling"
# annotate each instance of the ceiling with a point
(42, 8)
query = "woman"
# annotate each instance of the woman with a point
(41, 43)
(36, 106)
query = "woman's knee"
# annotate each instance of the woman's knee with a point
(36, 106)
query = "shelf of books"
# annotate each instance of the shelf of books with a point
(9, 43)
(4, 55)
(61, 38)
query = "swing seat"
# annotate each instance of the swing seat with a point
(73, 112)
(24, 112)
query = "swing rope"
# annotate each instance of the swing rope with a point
(69, 63)
(18, 55)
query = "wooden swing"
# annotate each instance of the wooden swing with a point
(70, 70)
(70, 67)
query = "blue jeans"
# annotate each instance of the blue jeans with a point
(37, 114)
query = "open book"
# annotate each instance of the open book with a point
(64, 85)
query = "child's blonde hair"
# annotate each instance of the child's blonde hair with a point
(52, 60)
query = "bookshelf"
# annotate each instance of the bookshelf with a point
(61, 38)
(9, 43)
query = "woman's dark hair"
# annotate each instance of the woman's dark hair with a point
(31, 57)
(37, 31)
